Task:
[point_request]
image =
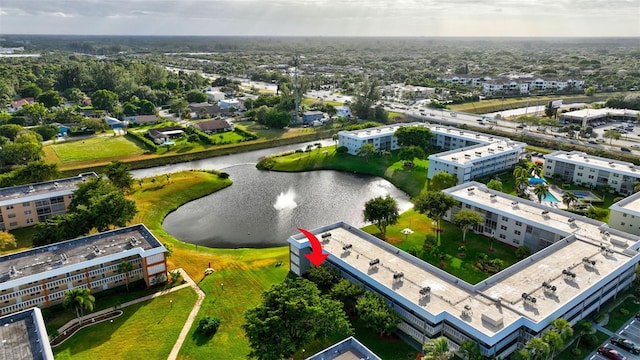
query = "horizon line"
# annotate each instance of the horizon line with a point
(344, 36)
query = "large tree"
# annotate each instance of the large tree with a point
(414, 136)
(541, 190)
(347, 293)
(324, 276)
(119, 174)
(376, 314)
(291, 314)
(125, 268)
(612, 135)
(409, 153)
(50, 99)
(79, 299)
(569, 198)
(435, 205)
(437, 349)
(538, 349)
(494, 184)
(442, 180)
(105, 100)
(7, 240)
(465, 220)
(382, 211)
(554, 340)
(366, 151)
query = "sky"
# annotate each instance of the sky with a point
(547, 18)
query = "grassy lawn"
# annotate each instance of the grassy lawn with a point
(454, 262)
(23, 240)
(310, 101)
(567, 355)
(96, 148)
(146, 330)
(411, 181)
(617, 318)
(493, 105)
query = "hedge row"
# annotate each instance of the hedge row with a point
(140, 138)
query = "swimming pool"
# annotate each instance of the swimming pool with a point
(548, 197)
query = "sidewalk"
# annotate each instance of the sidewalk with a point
(192, 316)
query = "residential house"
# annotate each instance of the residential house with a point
(17, 105)
(114, 123)
(143, 119)
(206, 111)
(309, 117)
(163, 134)
(230, 103)
(343, 111)
(214, 126)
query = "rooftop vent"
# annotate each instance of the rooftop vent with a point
(55, 184)
(13, 272)
(571, 220)
(490, 150)
(63, 258)
(467, 156)
(454, 159)
(471, 189)
(568, 274)
(347, 247)
(500, 147)
(425, 291)
(493, 196)
(325, 235)
(545, 212)
(514, 204)
(134, 241)
(526, 297)
(548, 287)
(96, 251)
(398, 276)
(374, 262)
(478, 153)
(588, 261)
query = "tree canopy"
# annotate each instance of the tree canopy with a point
(442, 180)
(382, 211)
(376, 314)
(465, 220)
(435, 205)
(414, 136)
(291, 314)
(119, 174)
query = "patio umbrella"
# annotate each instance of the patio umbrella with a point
(406, 232)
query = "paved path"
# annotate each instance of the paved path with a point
(192, 316)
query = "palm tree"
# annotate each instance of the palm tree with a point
(562, 327)
(521, 183)
(538, 349)
(569, 198)
(554, 340)
(519, 171)
(80, 299)
(124, 268)
(582, 328)
(437, 349)
(541, 191)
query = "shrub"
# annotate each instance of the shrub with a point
(575, 351)
(208, 326)
(624, 311)
(144, 140)
(342, 150)
(523, 252)
(223, 175)
(266, 164)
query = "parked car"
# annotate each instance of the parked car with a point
(626, 344)
(611, 354)
(635, 146)
(592, 142)
(600, 140)
(625, 149)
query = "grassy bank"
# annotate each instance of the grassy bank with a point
(494, 105)
(412, 181)
(147, 330)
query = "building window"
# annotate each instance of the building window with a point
(504, 218)
(25, 204)
(502, 227)
(616, 175)
(11, 216)
(13, 224)
(9, 207)
(590, 176)
(624, 215)
(622, 223)
(518, 223)
(517, 232)
(27, 212)
(502, 236)
(467, 206)
(579, 174)
(29, 221)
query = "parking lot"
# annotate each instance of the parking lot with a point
(631, 332)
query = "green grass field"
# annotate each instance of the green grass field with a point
(413, 181)
(96, 148)
(147, 330)
(493, 105)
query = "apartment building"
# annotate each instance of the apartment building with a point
(571, 278)
(468, 154)
(514, 84)
(625, 214)
(25, 205)
(24, 336)
(592, 171)
(40, 277)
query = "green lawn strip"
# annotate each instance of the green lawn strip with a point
(242, 290)
(617, 318)
(567, 355)
(494, 105)
(56, 316)
(308, 101)
(96, 148)
(461, 266)
(147, 330)
(390, 168)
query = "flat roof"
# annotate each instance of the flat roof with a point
(42, 190)
(471, 154)
(628, 205)
(24, 336)
(591, 114)
(64, 255)
(489, 307)
(596, 162)
(347, 349)
(437, 129)
(530, 212)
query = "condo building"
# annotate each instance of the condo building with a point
(40, 277)
(468, 154)
(625, 214)
(583, 265)
(25, 205)
(24, 336)
(592, 171)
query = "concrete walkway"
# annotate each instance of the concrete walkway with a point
(192, 316)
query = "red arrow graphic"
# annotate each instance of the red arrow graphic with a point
(316, 257)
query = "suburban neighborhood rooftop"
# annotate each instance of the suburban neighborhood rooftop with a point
(76, 251)
(41, 190)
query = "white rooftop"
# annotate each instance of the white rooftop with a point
(491, 307)
(471, 154)
(596, 162)
(590, 114)
(628, 205)
(37, 191)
